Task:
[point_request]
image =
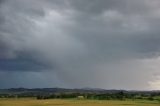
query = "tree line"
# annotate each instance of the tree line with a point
(121, 95)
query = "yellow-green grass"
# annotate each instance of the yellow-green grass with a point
(74, 102)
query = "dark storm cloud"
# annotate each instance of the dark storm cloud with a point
(22, 64)
(81, 42)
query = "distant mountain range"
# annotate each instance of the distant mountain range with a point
(65, 90)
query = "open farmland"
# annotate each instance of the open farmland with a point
(74, 102)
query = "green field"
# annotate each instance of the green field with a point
(74, 102)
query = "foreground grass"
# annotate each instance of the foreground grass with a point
(74, 102)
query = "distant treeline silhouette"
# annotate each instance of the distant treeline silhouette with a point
(61, 93)
(107, 96)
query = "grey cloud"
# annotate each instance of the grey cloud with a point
(22, 63)
(81, 42)
(2, 1)
(4, 49)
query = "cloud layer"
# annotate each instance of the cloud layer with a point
(108, 44)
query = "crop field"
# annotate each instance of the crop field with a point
(74, 102)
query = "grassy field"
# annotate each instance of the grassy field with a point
(72, 102)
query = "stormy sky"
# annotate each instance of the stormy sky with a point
(110, 44)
